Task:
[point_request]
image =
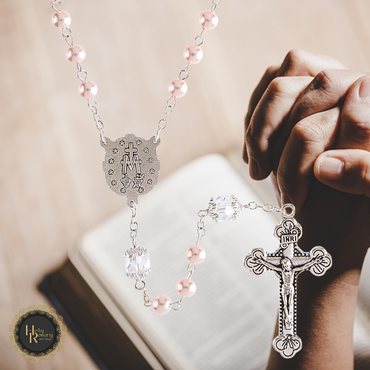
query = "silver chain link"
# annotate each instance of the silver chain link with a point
(67, 34)
(133, 224)
(200, 225)
(214, 4)
(177, 305)
(58, 3)
(147, 301)
(266, 207)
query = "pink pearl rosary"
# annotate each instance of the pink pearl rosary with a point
(125, 159)
(76, 54)
(131, 169)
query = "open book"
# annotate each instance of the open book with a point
(229, 322)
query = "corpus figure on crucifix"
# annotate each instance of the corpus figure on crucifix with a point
(288, 261)
(288, 274)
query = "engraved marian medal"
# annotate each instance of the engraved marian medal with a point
(131, 166)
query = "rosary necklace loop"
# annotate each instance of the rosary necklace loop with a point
(131, 169)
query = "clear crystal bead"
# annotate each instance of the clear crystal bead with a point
(137, 263)
(224, 208)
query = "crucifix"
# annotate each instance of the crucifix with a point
(288, 261)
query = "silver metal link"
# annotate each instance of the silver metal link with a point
(191, 268)
(133, 224)
(288, 210)
(170, 105)
(184, 73)
(140, 287)
(58, 3)
(200, 230)
(67, 34)
(147, 301)
(177, 305)
(266, 207)
(199, 39)
(92, 104)
(81, 73)
(214, 4)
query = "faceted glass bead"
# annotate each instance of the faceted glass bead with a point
(193, 54)
(88, 89)
(76, 54)
(208, 20)
(224, 208)
(137, 263)
(61, 19)
(178, 88)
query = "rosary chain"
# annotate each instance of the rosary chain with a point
(266, 207)
(183, 75)
(81, 75)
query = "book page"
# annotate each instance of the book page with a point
(229, 322)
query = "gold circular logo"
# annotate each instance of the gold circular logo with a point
(37, 333)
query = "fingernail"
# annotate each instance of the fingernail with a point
(364, 91)
(284, 199)
(331, 168)
(245, 155)
(253, 168)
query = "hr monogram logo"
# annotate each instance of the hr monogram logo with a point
(37, 333)
(33, 334)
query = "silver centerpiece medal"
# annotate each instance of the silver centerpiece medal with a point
(131, 166)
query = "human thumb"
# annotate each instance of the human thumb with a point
(347, 170)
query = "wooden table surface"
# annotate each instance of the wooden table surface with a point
(52, 188)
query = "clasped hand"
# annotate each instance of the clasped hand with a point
(308, 123)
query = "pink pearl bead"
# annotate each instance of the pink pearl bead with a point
(186, 287)
(178, 88)
(88, 89)
(161, 304)
(195, 254)
(193, 54)
(61, 19)
(208, 20)
(76, 54)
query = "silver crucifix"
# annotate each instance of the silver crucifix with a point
(288, 261)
